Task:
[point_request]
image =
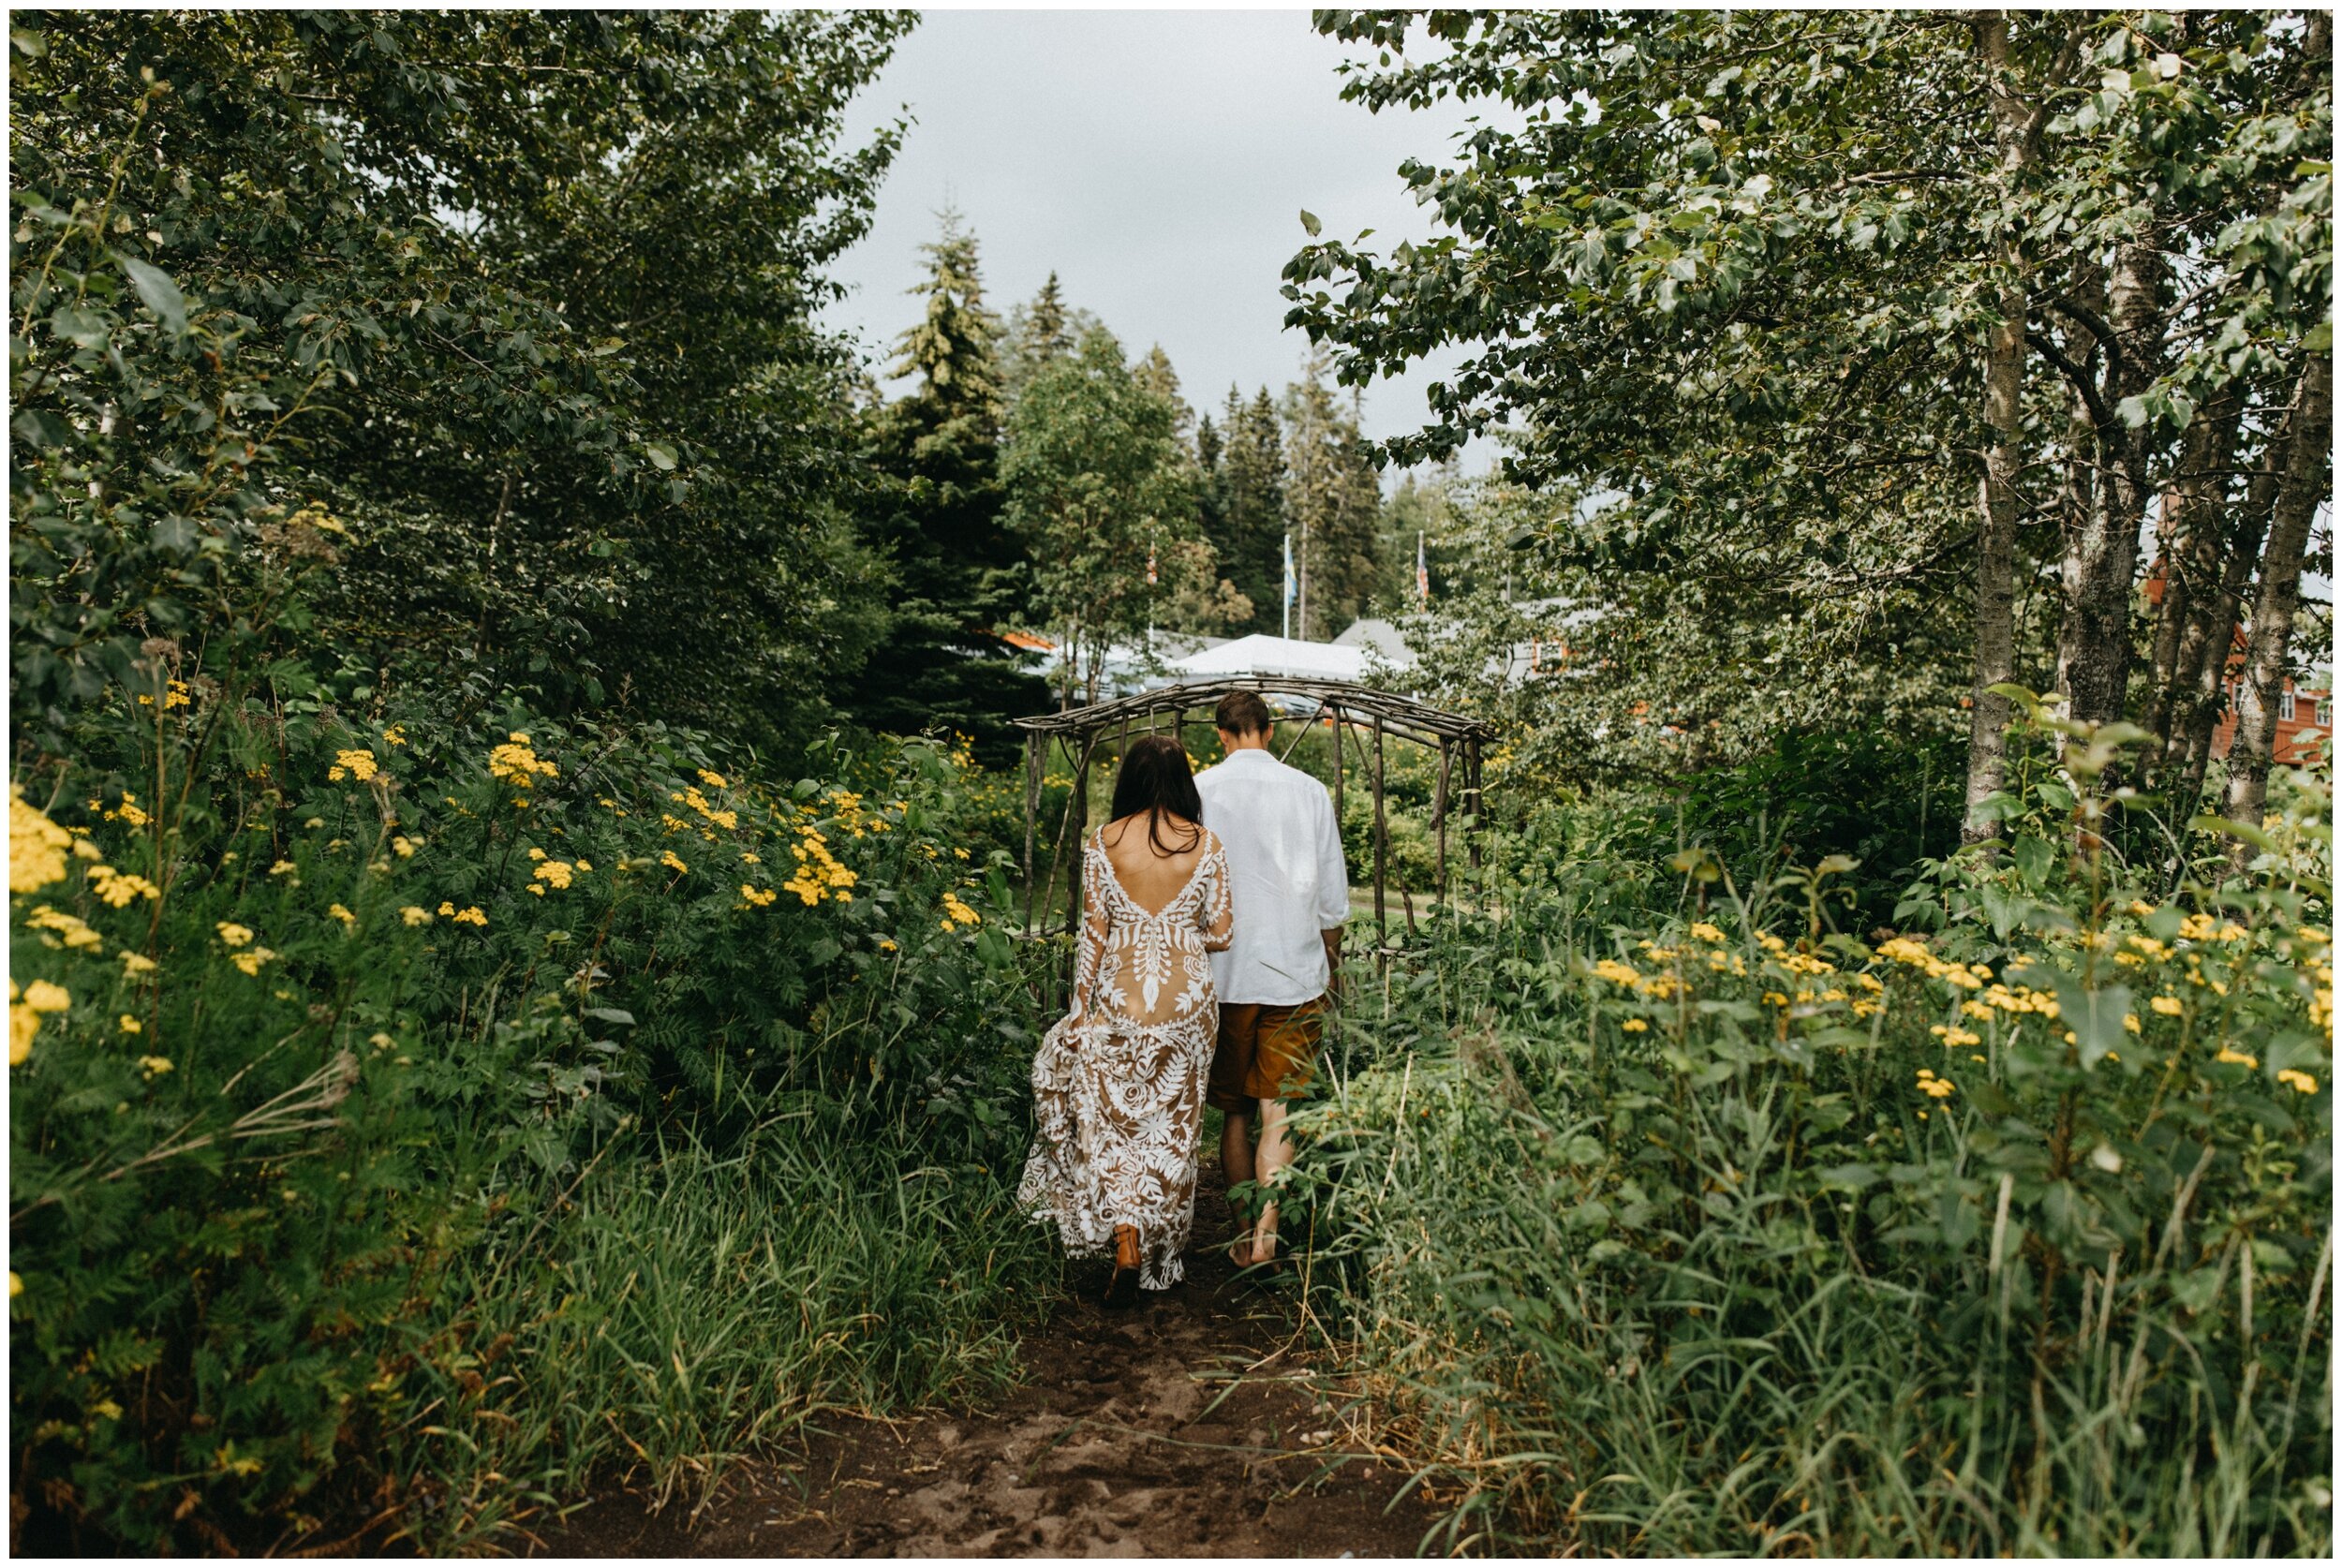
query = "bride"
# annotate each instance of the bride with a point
(1119, 1081)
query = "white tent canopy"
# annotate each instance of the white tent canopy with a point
(1263, 655)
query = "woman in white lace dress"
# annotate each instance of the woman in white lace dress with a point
(1119, 1081)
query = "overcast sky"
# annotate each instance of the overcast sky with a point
(1158, 161)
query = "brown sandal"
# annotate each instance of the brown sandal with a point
(1122, 1290)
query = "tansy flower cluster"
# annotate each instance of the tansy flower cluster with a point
(128, 811)
(25, 1014)
(553, 873)
(70, 928)
(818, 875)
(117, 889)
(462, 917)
(516, 764)
(956, 914)
(37, 846)
(698, 802)
(359, 765)
(174, 696)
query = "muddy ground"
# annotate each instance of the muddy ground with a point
(1187, 1425)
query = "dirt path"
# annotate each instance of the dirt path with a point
(1181, 1427)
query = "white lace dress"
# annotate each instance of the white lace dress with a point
(1118, 1082)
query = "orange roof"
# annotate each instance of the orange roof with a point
(1027, 641)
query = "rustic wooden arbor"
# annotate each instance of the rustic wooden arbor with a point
(1172, 709)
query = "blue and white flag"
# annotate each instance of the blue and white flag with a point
(1292, 585)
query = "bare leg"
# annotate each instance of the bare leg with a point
(1235, 1167)
(1275, 1155)
(1236, 1148)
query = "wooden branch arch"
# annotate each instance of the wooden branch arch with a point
(1460, 741)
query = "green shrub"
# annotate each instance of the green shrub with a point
(1709, 1229)
(347, 1047)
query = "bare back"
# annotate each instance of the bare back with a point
(1152, 880)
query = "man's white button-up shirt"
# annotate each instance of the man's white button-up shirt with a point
(1285, 871)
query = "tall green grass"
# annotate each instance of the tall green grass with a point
(695, 1307)
(1692, 1263)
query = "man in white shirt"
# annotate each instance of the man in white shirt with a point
(1292, 894)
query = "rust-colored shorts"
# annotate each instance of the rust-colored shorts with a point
(1263, 1052)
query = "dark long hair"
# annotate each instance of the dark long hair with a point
(1156, 779)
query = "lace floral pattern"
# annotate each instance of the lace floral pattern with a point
(1118, 1082)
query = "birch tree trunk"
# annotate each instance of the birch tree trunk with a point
(2102, 556)
(2306, 481)
(2014, 121)
(2206, 665)
(2190, 526)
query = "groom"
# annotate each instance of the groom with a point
(1292, 893)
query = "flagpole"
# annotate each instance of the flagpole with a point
(1288, 584)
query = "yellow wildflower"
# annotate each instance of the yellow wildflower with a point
(470, 916)
(415, 914)
(2169, 1006)
(72, 928)
(1953, 1035)
(1707, 933)
(2300, 1082)
(402, 847)
(1632, 1026)
(37, 846)
(757, 898)
(516, 764)
(137, 963)
(129, 1023)
(341, 914)
(713, 780)
(2235, 1057)
(154, 1066)
(667, 858)
(555, 872)
(395, 735)
(1932, 1086)
(232, 934)
(250, 960)
(359, 765)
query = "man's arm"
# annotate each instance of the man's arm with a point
(1333, 892)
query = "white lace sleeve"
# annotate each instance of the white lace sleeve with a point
(1215, 912)
(1089, 945)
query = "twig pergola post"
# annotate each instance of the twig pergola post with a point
(1078, 731)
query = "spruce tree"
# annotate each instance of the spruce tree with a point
(1250, 537)
(1334, 500)
(1039, 335)
(959, 571)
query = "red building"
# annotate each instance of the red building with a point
(2304, 713)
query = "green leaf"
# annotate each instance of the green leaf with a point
(2246, 831)
(157, 288)
(1309, 221)
(660, 454)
